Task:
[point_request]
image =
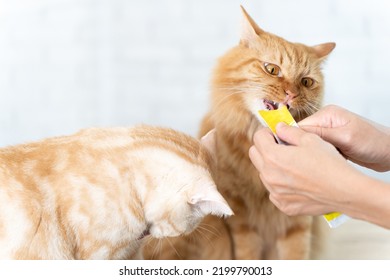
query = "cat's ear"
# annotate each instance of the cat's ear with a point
(208, 141)
(210, 201)
(250, 30)
(322, 50)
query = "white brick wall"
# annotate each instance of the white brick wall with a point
(68, 64)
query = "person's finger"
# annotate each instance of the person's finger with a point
(313, 129)
(334, 136)
(289, 134)
(256, 158)
(263, 180)
(296, 205)
(316, 120)
(264, 139)
(325, 133)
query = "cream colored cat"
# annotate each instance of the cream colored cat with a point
(98, 193)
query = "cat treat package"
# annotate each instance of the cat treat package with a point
(271, 118)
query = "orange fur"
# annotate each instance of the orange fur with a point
(258, 230)
(94, 195)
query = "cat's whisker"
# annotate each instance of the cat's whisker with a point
(204, 236)
(315, 107)
(154, 246)
(227, 97)
(311, 108)
(173, 247)
(158, 247)
(299, 113)
(203, 227)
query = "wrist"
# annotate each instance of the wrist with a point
(342, 189)
(383, 147)
(386, 144)
(367, 199)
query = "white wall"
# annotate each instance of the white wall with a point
(69, 64)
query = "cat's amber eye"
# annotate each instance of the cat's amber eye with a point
(272, 69)
(307, 82)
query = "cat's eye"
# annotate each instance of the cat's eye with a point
(272, 69)
(307, 82)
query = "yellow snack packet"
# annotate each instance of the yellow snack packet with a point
(271, 118)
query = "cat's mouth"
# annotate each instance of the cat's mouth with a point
(273, 105)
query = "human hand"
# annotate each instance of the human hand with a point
(361, 141)
(307, 177)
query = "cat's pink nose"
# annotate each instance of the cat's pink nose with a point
(289, 97)
(290, 94)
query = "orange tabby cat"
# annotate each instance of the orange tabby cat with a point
(264, 70)
(96, 194)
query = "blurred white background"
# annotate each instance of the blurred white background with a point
(71, 64)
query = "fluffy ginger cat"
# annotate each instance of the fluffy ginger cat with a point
(264, 70)
(98, 193)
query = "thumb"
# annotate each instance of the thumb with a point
(289, 134)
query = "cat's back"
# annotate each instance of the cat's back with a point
(52, 151)
(22, 178)
(28, 196)
(37, 177)
(31, 169)
(99, 139)
(171, 141)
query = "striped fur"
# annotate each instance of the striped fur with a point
(96, 194)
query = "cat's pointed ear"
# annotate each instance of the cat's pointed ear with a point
(210, 201)
(250, 30)
(209, 142)
(322, 50)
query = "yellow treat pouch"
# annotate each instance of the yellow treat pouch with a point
(271, 118)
